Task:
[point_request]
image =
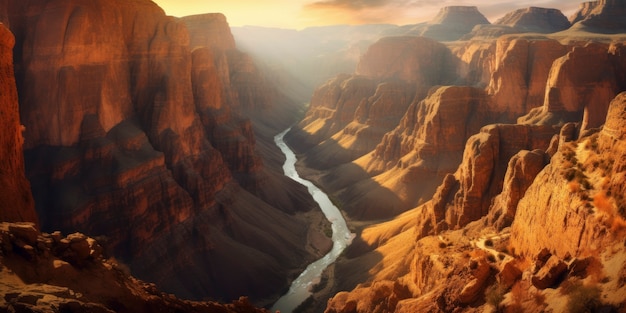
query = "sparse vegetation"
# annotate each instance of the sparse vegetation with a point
(494, 296)
(583, 298)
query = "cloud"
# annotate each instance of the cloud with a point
(412, 11)
(349, 4)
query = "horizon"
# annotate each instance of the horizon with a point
(302, 14)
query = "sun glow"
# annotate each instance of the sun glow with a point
(298, 14)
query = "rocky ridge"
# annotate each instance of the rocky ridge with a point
(44, 272)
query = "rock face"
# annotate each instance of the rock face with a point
(533, 19)
(518, 81)
(585, 9)
(379, 93)
(479, 178)
(209, 30)
(565, 96)
(16, 201)
(428, 142)
(587, 176)
(606, 16)
(453, 22)
(131, 135)
(521, 172)
(406, 58)
(44, 272)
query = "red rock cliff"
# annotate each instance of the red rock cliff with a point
(16, 201)
(119, 144)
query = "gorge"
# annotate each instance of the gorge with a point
(479, 165)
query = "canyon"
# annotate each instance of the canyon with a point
(134, 133)
(480, 166)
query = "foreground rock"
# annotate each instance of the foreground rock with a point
(16, 201)
(53, 273)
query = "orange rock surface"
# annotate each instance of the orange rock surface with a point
(16, 201)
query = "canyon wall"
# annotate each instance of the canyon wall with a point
(134, 132)
(16, 201)
(504, 178)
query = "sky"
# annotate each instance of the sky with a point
(298, 14)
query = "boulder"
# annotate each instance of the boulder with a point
(550, 274)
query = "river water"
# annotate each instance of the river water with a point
(299, 290)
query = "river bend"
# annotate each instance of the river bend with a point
(299, 289)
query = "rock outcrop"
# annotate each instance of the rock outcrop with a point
(44, 272)
(521, 172)
(604, 16)
(579, 194)
(534, 19)
(571, 95)
(16, 201)
(132, 136)
(518, 81)
(479, 178)
(585, 9)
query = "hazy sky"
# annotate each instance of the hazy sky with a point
(303, 13)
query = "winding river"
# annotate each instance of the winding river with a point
(299, 290)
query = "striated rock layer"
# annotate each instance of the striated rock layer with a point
(133, 136)
(16, 201)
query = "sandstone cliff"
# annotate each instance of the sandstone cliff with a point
(585, 9)
(604, 16)
(587, 174)
(132, 136)
(571, 95)
(468, 196)
(16, 201)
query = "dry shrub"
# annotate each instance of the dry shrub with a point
(583, 298)
(618, 225)
(574, 186)
(595, 270)
(518, 292)
(603, 203)
(494, 295)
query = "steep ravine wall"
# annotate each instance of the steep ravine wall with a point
(16, 200)
(133, 137)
